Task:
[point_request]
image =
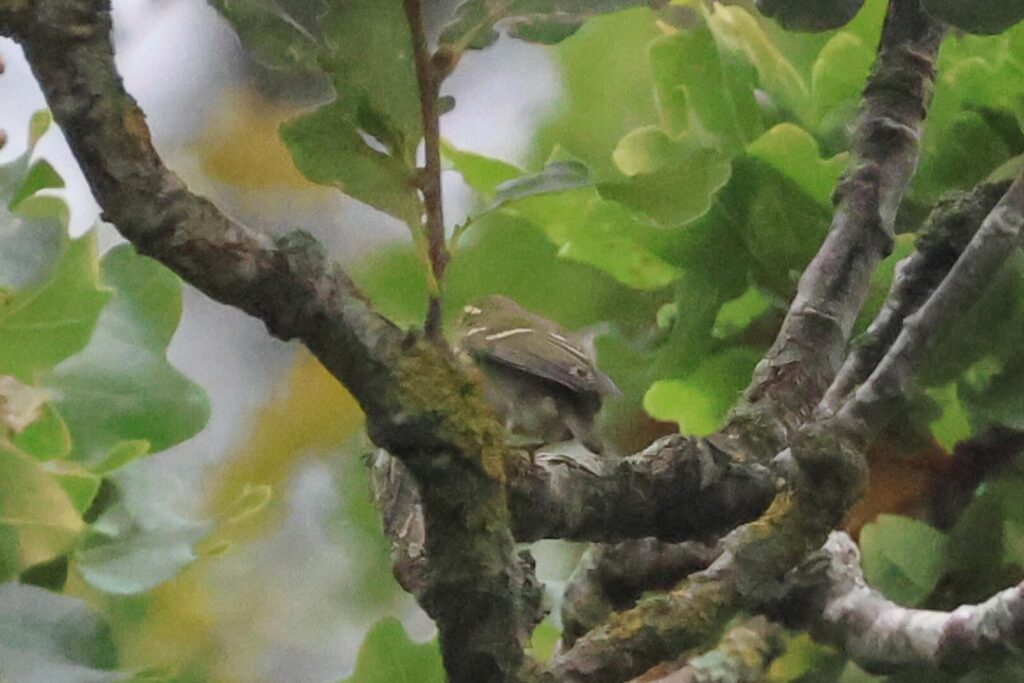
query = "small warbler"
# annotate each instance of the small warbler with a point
(535, 375)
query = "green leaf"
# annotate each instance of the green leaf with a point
(556, 177)
(803, 657)
(80, 485)
(40, 176)
(990, 392)
(735, 315)
(14, 175)
(701, 89)
(959, 155)
(38, 126)
(793, 152)
(47, 438)
(903, 558)
(593, 114)
(328, 147)
(37, 518)
(699, 402)
(49, 638)
(120, 455)
(993, 16)
(481, 173)
(32, 235)
(121, 387)
(364, 141)
(388, 655)
(838, 77)
(45, 323)
(277, 34)
(952, 425)
(977, 555)
(143, 539)
(781, 225)
(738, 31)
(599, 233)
(671, 180)
(538, 21)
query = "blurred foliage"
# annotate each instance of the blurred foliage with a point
(669, 204)
(388, 655)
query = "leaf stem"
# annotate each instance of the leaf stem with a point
(430, 177)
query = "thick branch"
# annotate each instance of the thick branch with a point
(789, 382)
(401, 510)
(676, 489)
(883, 637)
(951, 225)
(613, 577)
(747, 576)
(419, 405)
(742, 656)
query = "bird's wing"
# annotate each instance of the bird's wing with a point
(548, 355)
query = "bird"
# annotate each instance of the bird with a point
(536, 377)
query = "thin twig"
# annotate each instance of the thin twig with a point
(893, 378)
(951, 225)
(430, 177)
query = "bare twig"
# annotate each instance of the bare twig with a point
(951, 225)
(795, 373)
(430, 177)
(895, 374)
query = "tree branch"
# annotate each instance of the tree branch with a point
(801, 364)
(747, 576)
(829, 466)
(951, 225)
(418, 403)
(996, 239)
(675, 489)
(430, 178)
(883, 637)
(613, 577)
(401, 510)
(743, 655)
